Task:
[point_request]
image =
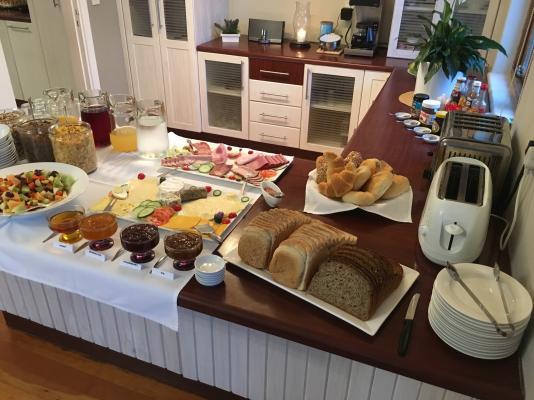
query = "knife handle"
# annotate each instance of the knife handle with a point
(404, 339)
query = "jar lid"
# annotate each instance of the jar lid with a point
(421, 96)
(441, 114)
(35, 126)
(434, 104)
(477, 83)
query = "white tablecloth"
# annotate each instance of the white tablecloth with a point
(138, 292)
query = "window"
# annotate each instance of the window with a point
(526, 51)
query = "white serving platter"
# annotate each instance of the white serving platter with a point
(178, 141)
(78, 188)
(370, 326)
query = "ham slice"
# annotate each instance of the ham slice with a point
(244, 171)
(246, 158)
(202, 148)
(220, 154)
(180, 161)
(259, 163)
(220, 170)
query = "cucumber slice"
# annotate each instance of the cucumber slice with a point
(205, 168)
(145, 203)
(154, 204)
(195, 166)
(245, 199)
(145, 212)
(217, 192)
(136, 210)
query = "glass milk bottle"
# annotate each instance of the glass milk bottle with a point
(95, 111)
(152, 136)
(123, 110)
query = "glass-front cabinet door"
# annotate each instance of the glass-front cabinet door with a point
(224, 94)
(330, 107)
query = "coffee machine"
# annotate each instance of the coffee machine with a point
(365, 27)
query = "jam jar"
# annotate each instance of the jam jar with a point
(73, 144)
(33, 135)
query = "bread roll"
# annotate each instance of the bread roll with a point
(295, 261)
(379, 183)
(265, 232)
(355, 280)
(338, 184)
(355, 158)
(320, 166)
(400, 185)
(334, 164)
(363, 173)
(384, 166)
(373, 164)
(359, 198)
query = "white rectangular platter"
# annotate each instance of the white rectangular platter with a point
(370, 327)
(178, 141)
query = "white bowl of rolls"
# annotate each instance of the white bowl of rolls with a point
(357, 181)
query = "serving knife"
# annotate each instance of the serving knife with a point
(406, 332)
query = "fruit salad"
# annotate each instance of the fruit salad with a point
(31, 189)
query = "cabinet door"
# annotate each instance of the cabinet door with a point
(142, 36)
(330, 107)
(29, 58)
(224, 94)
(175, 27)
(373, 82)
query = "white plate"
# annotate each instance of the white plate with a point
(411, 123)
(401, 116)
(370, 327)
(421, 130)
(78, 188)
(430, 138)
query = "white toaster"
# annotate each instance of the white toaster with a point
(455, 219)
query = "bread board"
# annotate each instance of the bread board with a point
(370, 326)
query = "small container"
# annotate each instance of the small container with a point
(417, 103)
(427, 116)
(169, 190)
(183, 247)
(73, 144)
(209, 270)
(440, 120)
(271, 193)
(33, 135)
(140, 240)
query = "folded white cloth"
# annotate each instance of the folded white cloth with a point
(397, 209)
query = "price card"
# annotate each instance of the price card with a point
(161, 273)
(68, 247)
(95, 255)
(131, 265)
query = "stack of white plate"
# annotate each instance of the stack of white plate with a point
(209, 270)
(460, 323)
(8, 152)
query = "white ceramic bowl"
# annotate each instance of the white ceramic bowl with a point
(421, 130)
(401, 116)
(430, 138)
(411, 123)
(270, 200)
(212, 276)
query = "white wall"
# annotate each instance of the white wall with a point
(521, 249)
(7, 98)
(283, 10)
(108, 46)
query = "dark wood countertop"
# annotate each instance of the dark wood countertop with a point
(14, 15)
(284, 52)
(249, 301)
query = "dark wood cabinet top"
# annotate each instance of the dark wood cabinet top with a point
(249, 301)
(14, 15)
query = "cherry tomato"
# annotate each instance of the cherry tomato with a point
(141, 176)
(232, 215)
(226, 221)
(208, 189)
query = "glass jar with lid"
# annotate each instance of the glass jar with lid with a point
(33, 135)
(61, 104)
(73, 144)
(11, 118)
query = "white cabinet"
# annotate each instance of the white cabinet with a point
(330, 108)
(224, 94)
(373, 82)
(161, 38)
(478, 15)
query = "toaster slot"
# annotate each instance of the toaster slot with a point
(475, 185)
(450, 185)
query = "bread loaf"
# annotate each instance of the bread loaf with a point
(265, 232)
(355, 280)
(400, 185)
(295, 261)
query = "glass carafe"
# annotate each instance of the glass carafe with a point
(123, 111)
(95, 111)
(62, 105)
(152, 135)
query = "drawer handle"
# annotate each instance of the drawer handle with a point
(273, 116)
(265, 71)
(274, 94)
(274, 137)
(19, 28)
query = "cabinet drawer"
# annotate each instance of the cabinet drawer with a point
(274, 134)
(276, 71)
(275, 114)
(276, 93)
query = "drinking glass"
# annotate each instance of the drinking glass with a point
(95, 111)
(123, 109)
(152, 135)
(67, 224)
(140, 240)
(98, 228)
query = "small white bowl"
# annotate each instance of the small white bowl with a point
(272, 201)
(401, 116)
(214, 275)
(411, 123)
(430, 138)
(421, 130)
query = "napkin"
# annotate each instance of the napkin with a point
(397, 209)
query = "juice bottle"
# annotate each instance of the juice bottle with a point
(457, 91)
(472, 97)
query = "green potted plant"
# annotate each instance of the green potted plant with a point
(446, 50)
(230, 31)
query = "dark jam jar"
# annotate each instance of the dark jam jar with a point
(140, 240)
(417, 104)
(183, 248)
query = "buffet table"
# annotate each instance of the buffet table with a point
(256, 341)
